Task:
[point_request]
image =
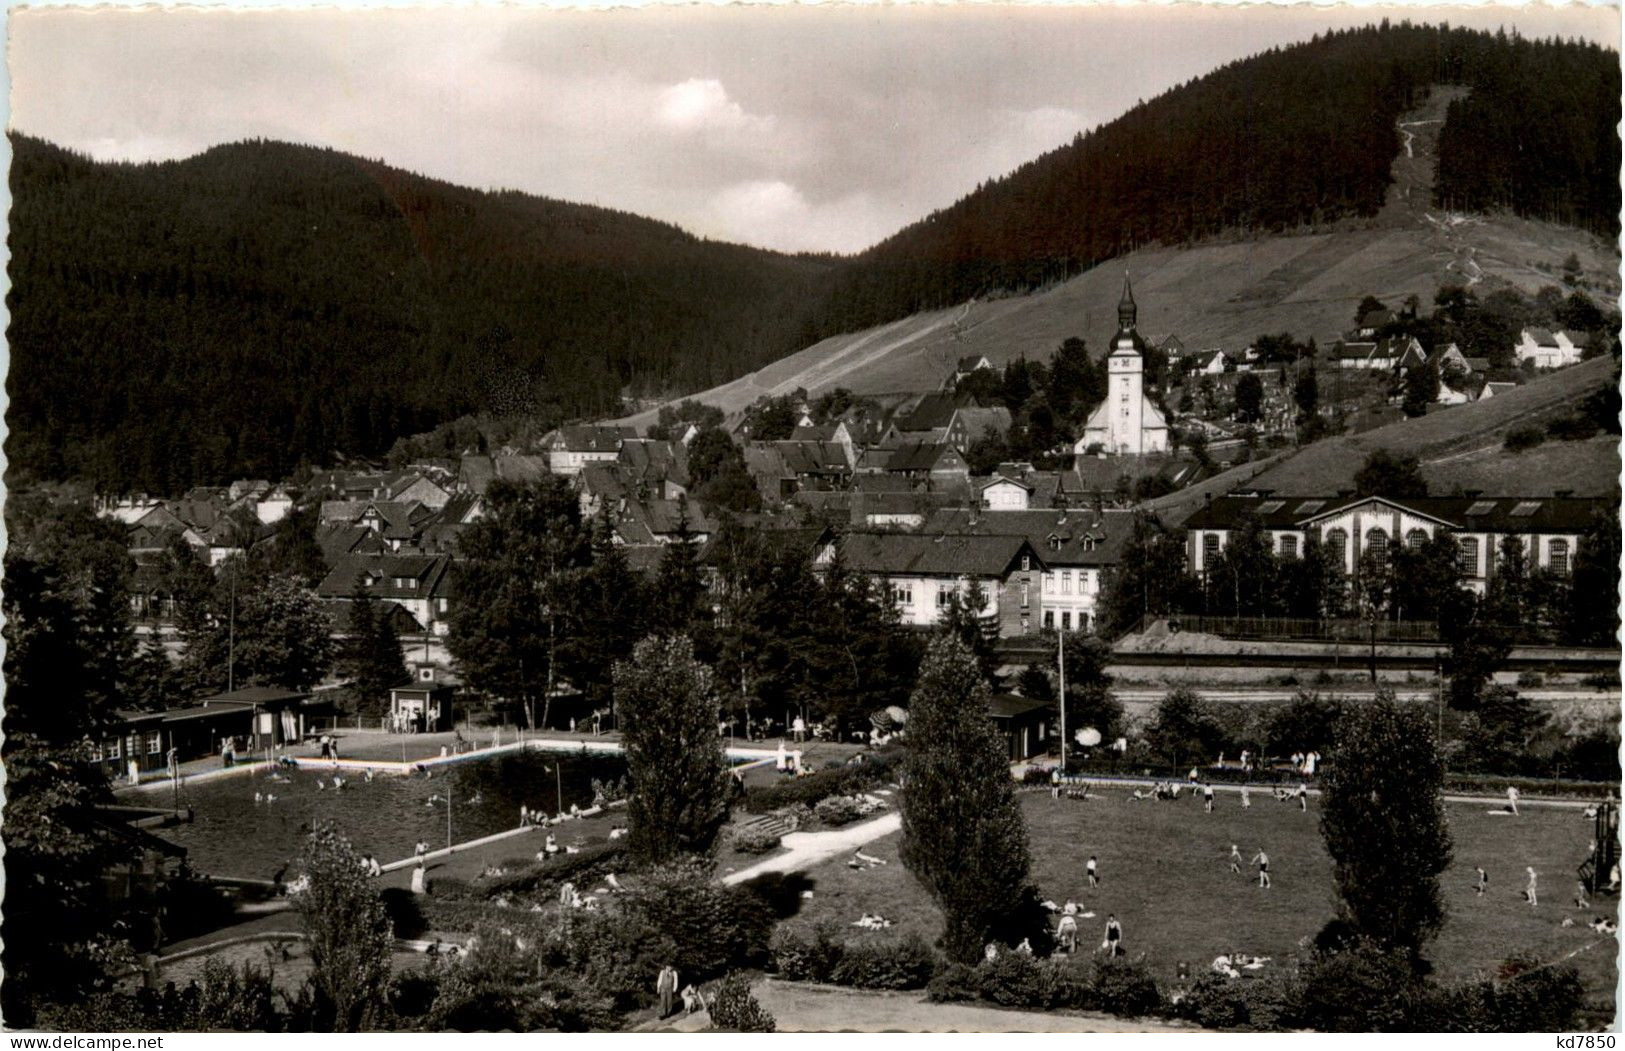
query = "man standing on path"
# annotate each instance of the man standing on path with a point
(1262, 860)
(1303, 796)
(1512, 799)
(1207, 797)
(666, 987)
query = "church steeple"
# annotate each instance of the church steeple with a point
(1125, 307)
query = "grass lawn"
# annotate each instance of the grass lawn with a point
(1165, 875)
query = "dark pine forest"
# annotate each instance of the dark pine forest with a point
(264, 305)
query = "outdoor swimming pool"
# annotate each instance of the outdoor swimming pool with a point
(232, 835)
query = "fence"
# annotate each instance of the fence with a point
(1300, 628)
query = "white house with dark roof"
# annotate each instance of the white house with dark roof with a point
(1078, 547)
(922, 572)
(569, 449)
(1003, 492)
(1546, 349)
(1548, 527)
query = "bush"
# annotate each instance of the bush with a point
(736, 1010)
(842, 810)
(799, 958)
(1266, 1003)
(451, 888)
(1362, 988)
(1535, 998)
(1531, 678)
(1036, 775)
(905, 964)
(1215, 1002)
(709, 927)
(1572, 428)
(755, 842)
(1014, 979)
(1520, 438)
(1123, 988)
(954, 983)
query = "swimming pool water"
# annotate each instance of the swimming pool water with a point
(232, 835)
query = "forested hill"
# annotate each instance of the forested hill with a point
(264, 304)
(1289, 139)
(236, 312)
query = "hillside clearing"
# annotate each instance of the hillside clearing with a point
(1208, 295)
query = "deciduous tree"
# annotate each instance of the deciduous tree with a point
(348, 931)
(1394, 475)
(518, 569)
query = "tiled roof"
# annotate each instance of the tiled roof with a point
(652, 461)
(1491, 514)
(427, 570)
(1085, 537)
(475, 473)
(520, 468)
(900, 554)
(977, 421)
(920, 456)
(929, 413)
(591, 438)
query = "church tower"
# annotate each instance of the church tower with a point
(1125, 380)
(1126, 423)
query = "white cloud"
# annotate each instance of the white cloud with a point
(772, 213)
(698, 104)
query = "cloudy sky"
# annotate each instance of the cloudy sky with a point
(816, 128)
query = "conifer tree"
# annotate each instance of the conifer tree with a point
(676, 778)
(1382, 816)
(964, 837)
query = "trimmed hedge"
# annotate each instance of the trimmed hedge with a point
(755, 842)
(841, 810)
(1492, 785)
(876, 768)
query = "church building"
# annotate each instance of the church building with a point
(1126, 423)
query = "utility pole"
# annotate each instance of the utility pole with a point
(1060, 652)
(1438, 683)
(448, 813)
(231, 634)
